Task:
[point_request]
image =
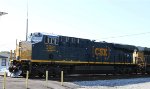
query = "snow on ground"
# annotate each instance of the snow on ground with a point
(135, 83)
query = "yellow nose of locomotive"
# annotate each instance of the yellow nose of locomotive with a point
(24, 50)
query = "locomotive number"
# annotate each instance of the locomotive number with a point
(101, 52)
(51, 48)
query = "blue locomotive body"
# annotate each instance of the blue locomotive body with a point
(75, 55)
(59, 48)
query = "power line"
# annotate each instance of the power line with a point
(126, 35)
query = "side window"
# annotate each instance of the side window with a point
(3, 62)
(56, 41)
(72, 40)
(53, 40)
(50, 40)
(67, 39)
(78, 41)
(46, 39)
(60, 42)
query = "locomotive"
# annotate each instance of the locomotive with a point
(55, 53)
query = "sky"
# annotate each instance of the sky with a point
(117, 21)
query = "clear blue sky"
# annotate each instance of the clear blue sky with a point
(92, 19)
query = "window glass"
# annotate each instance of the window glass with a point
(3, 62)
(50, 40)
(35, 37)
(57, 40)
(46, 39)
(53, 40)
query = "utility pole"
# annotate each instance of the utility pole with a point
(27, 23)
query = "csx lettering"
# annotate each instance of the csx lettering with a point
(101, 52)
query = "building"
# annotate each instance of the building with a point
(4, 63)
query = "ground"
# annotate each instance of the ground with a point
(102, 82)
(19, 83)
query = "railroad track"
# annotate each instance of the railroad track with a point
(71, 78)
(54, 83)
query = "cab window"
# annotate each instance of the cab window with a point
(51, 40)
(46, 39)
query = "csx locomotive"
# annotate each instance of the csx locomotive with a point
(54, 53)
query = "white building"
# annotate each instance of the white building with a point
(4, 64)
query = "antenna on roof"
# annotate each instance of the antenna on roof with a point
(27, 23)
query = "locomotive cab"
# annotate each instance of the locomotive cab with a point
(36, 42)
(35, 37)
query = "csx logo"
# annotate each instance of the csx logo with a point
(101, 51)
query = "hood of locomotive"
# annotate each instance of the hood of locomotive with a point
(25, 48)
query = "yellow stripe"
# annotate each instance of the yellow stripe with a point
(25, 59)
(14, 60)
(79, 62)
